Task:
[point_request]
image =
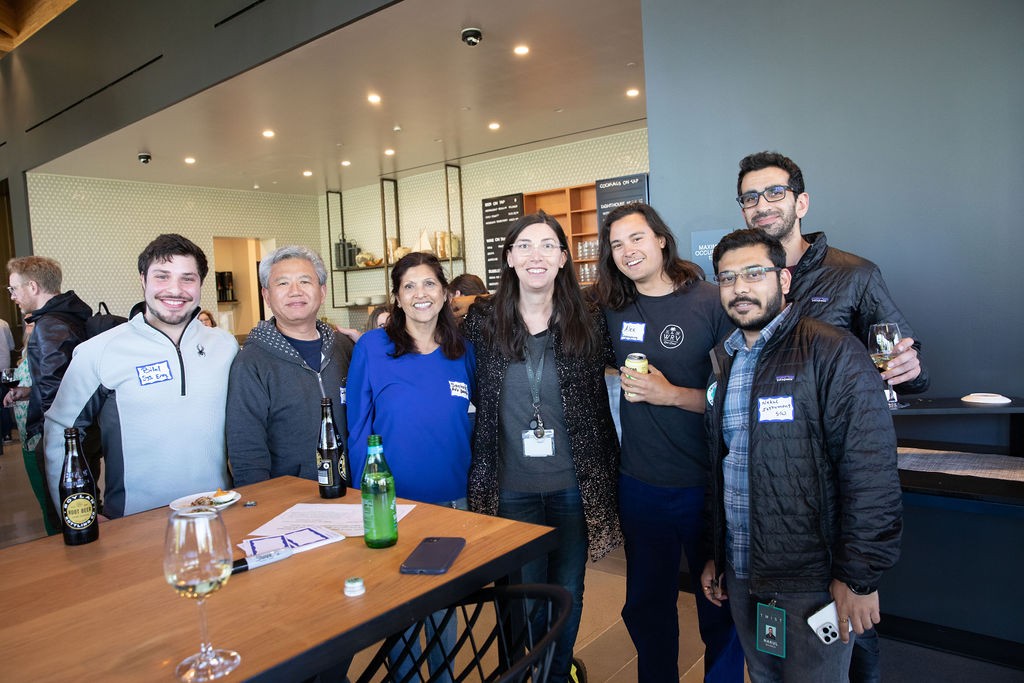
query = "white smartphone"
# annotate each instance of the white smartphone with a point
(825, 622)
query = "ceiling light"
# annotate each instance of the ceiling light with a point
(397, 128)
(389, 152)
(190, 160)
(307, 173)
(256, 186)
(346, 162)
(559, 110)
(521, 50)
(268, 133)
(373, 98)
(494, 125)
(632, 92)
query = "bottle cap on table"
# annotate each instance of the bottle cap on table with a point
(354, 586)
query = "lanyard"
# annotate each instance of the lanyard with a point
(534, 377)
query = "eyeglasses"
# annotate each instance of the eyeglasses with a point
(749, 200)
(11, 290)
(545, 248)
(727, 278)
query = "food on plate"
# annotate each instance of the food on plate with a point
(219, 497)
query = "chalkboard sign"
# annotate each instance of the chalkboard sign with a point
(499, 213)
(614, 192)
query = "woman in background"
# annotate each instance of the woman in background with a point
(545, 449)
(378, 318)
(206, 318)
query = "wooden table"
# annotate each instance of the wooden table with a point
(103, 611)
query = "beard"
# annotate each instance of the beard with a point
(771, 308)
(783, 228)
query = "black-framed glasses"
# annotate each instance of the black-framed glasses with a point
(727, 278)
(749, 200)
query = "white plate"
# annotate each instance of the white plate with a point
(186, 501)
(985, 398)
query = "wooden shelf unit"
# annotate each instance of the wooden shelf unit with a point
(575, 208)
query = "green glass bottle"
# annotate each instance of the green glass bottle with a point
(380, 511)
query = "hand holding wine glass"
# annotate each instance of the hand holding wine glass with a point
(197, 562)
(882, 341)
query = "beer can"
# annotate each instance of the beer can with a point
(638, 363)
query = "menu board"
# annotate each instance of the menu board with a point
(615, 192)
(499, 213)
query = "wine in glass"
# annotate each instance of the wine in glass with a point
(197, 562)
(882, 341)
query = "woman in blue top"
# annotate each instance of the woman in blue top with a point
(412, 382)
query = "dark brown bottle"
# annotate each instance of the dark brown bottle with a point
(77, 494)
(331, 457)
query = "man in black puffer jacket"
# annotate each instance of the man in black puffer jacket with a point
(828, 284)
(804, 504)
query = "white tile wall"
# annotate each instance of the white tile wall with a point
(96, 228)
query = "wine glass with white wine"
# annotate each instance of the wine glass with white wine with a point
(197, 562)
(882, 341)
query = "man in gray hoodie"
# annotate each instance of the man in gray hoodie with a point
(288, 363)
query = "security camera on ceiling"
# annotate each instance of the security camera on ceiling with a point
(145, 157)
(472, 36)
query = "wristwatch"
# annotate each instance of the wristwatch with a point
(861, 590)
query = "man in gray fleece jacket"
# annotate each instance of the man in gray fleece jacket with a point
(288, 363)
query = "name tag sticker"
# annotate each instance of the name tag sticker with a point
(154, 373)
(632, 331)
(459, 389)
(775, 409)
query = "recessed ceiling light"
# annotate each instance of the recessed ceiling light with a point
(268, 133)
(389, 152)
(438, 139)
(397, 128)
(521, 50)
(631, 64)
(256, 186)
(346, 162)
(494, 125)
(190, 160)
(307, 173)
(373, 98)
(632, 92)
(559, 110)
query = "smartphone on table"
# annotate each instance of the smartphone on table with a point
(434, 555)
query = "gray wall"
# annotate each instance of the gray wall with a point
(104, 64)
(907, 119)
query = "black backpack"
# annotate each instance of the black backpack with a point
(101, 321)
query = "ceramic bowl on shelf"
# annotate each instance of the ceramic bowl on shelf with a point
(361, 301)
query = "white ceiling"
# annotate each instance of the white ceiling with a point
(583, 57)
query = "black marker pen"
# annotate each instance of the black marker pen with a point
(253, 561)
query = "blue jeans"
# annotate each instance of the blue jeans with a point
(807, 658)
(659, 523)
(564, 566)
(866, 666)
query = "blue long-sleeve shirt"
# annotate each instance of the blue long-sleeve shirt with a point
(419, 404)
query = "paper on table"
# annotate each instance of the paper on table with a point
(345, 519)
